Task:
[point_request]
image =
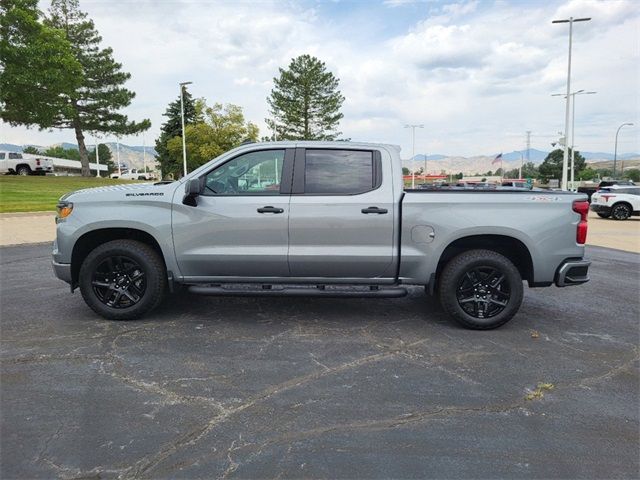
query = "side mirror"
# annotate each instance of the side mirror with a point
(192, 191)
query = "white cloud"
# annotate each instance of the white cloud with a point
(477, 75)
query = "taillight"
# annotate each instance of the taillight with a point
(38, 161)
(581, 207)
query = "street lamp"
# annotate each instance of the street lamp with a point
(184, 143)
(573, 127)
(615, 152)
(565, 158)
(413, 151)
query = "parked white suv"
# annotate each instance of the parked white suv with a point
(617, 201)
(18, 164)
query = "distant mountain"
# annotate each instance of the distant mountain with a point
(435, 157)
(10, 147)
(589, 156)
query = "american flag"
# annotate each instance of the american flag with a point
(497, 159)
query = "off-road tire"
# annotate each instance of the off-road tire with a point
(454, 274)
(23, 171)
(149, 262)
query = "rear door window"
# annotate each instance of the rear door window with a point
(339, 172)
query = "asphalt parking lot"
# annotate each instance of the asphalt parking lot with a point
(319, 388)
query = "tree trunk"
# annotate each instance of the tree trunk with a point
(82, 148)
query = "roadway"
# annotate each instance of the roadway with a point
(319, 388)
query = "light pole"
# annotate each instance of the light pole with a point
(425, 168)
(184, 142)
(565, 158)
(413, 151)
(615, 151)
(573, 128)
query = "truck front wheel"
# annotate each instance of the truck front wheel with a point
(122, 279)
(481, 289)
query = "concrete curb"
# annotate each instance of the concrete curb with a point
(26, 214)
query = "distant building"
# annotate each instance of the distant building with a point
(69, 167)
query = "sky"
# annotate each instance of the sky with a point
(477, 74)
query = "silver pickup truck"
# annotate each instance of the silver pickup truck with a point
(316, 219)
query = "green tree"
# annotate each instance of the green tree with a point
(529, 170)
(305, 102)
(586, 174)
(171, 128)
(58, 151)
(551, 167)
(406, 171)
(39, 71)
(105, 157)
(222, 128)
(93, 106)
(633, 174)
(31, 149)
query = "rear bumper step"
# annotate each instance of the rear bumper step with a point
(297, 291)
(573, 272)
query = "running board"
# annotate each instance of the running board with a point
(332, 291)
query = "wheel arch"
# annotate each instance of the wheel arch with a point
(20, 165)
(512, 248)
(94, 238)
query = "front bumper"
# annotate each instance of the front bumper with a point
(573, 272)
(62, 271)
(604, 209)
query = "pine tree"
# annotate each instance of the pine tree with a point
(173, 128)
(305, 102)
(94, 106)
(39, 70)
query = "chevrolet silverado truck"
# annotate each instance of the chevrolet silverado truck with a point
(317, 219)
(16, 163)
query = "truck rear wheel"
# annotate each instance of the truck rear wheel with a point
(122, 279)
(23, 170)
(481, 289)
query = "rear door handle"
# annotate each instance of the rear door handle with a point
(270, 209)
(374, 210)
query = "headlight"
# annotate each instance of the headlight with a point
(64, 209)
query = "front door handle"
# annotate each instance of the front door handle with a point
(270, 209)
(374, 210)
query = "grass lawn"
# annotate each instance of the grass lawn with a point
(39, 194)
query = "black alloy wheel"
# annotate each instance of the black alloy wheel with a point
(123, 279)
(621, 211)
(483, 292)
(480, 289)
(119, 282)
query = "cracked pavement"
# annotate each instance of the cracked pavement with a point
(320, 388)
